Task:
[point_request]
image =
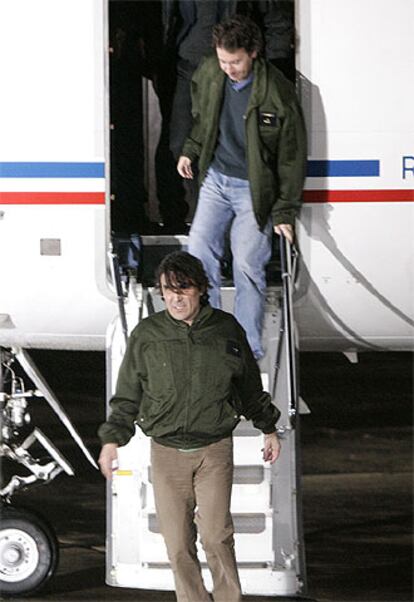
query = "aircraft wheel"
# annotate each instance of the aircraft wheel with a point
(28, 551)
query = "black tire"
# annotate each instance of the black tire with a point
(28, 551)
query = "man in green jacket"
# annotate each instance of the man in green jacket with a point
(187, 376)
(249, 139)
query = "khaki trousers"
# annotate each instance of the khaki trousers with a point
(194, 488)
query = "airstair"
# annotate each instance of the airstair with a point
(266, 500)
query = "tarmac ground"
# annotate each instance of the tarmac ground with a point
(357, 480)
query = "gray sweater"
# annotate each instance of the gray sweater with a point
(230, 153)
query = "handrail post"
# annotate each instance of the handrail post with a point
(289, 326)
(116, 278)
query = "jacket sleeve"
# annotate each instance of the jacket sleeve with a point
(255, 404)
(120, 426)
(192, 145)
(291, 165)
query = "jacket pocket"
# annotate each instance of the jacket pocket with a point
(269, 138)
(159, 371)
(268, 126)
(157, 416)
(220, 365)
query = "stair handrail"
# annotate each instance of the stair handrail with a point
(120, 294)
(288, 261)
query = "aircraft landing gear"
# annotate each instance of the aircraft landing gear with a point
(28, 546)
(28, 551)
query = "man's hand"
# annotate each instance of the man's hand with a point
(184, 167)
(271, 448)
(286, 230)
(107, 456)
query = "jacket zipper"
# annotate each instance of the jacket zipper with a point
(190, 341)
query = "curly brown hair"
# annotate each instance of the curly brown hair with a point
(237, 32)
(182, 269)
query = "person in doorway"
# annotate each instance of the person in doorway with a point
(196, 19)
(139, 50)
(126, 67)
(250, 142)
(187, 376)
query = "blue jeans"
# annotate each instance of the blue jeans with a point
(225, 202)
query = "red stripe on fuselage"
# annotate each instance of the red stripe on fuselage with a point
(309, 196)
(52, 198)
(358, 196)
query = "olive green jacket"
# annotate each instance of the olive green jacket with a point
(275, 137)
(187, 386)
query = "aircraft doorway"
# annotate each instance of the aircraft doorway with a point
(151, 42)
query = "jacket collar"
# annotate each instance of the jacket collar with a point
(203, 315)
(259, 84)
